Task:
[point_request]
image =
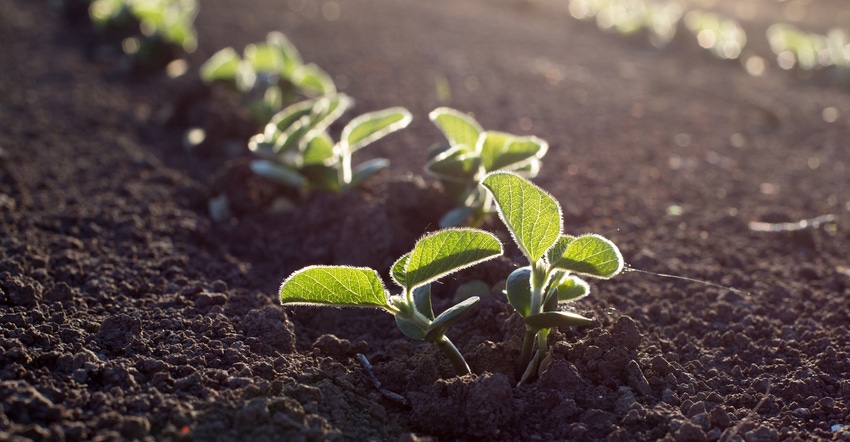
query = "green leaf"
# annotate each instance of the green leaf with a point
(590, 255)
(447, 251)
(398, 271)
(546, 320)
(325, 111)
(335, 285)
(571, 288)
(518, 290)
(264, 58)
(313, 81)
(491, 144)
(517, 153)
(282, 120)
(458, 128)
(438, 327)
(223, 65)
(366, 169)
(320, 150)
(288, 52)
(559, 248)
(370, 127)
(455, 164)
(277, 172)
(532, 216)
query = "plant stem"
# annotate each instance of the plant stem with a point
(454, 355)
(527, 350)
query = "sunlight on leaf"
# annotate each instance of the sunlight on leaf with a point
(591, 255)
(334, 285)
(372, 126)
(532, 215)
(458, 127)
(447, 251)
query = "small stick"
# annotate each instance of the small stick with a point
(811, 223)
(728, 437)
(367, 367)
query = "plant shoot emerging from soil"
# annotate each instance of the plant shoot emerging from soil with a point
(296, 149)
(471, 153)
(272, 71)
(533, 218)
(434, 256)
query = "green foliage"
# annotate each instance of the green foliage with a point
(272, 70)
(434, 256)
(295, 148)
(471, 153)
(171, 21)
(534, 219)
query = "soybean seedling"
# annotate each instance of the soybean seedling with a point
(272, 69)
(556, 260)
(168, 22)
(471, 153)
(296, 149)
(434, 256)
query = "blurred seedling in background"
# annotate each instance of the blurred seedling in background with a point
(556, 261)
(434, 256)
(723, 36)
(162, 23)
(296, 150)
(471, 153)
(658, 19)
(272, 73)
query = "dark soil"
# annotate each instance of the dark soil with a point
(127, 313)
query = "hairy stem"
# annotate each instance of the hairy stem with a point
(454, 355)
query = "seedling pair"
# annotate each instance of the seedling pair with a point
(471, 153)
(433, 257)
(533, 218)
(296, 149)
(273, 69)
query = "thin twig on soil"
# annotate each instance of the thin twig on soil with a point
(367, 367)
(727, 437)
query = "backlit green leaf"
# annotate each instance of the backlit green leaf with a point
(335, 285)
(313, 81)
(264, 58)
(221, 66)
(532, 216)
(491, 145)
(447, 251)
(591, 255)
(516, 153)
(320, 150)
(572, 288)
(398, 271)
(288, 52)
(370, 127)
(454, 165)
(458, 127)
